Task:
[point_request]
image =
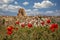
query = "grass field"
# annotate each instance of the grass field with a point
(30, 32)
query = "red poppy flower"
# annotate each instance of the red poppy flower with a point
(42, 22)
(29, 25)
(53, 30)
(9, 32)
(56, 26)
(48, 21)
(53, 27)
(22, 25)
(17, 22)
(10, 28)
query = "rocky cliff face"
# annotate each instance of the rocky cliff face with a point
(21, 12)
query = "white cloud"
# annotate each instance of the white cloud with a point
(35, 9)
(49, 12)
(52, 13)
(6, 1)
(33, 12)
(16, 2)
(1, 13)
(11, 8)
(43, 4)
(28, 10)
(25, 3)
(45, 0)
(5, 6)
(1, 1)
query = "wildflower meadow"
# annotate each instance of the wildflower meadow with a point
(29, 29)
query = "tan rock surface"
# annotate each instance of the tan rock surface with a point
(21, 12)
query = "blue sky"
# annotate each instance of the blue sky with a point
(32, 7)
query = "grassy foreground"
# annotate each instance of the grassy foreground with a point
(35, 33)
(30, 32)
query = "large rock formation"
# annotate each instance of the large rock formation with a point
(21, 12)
